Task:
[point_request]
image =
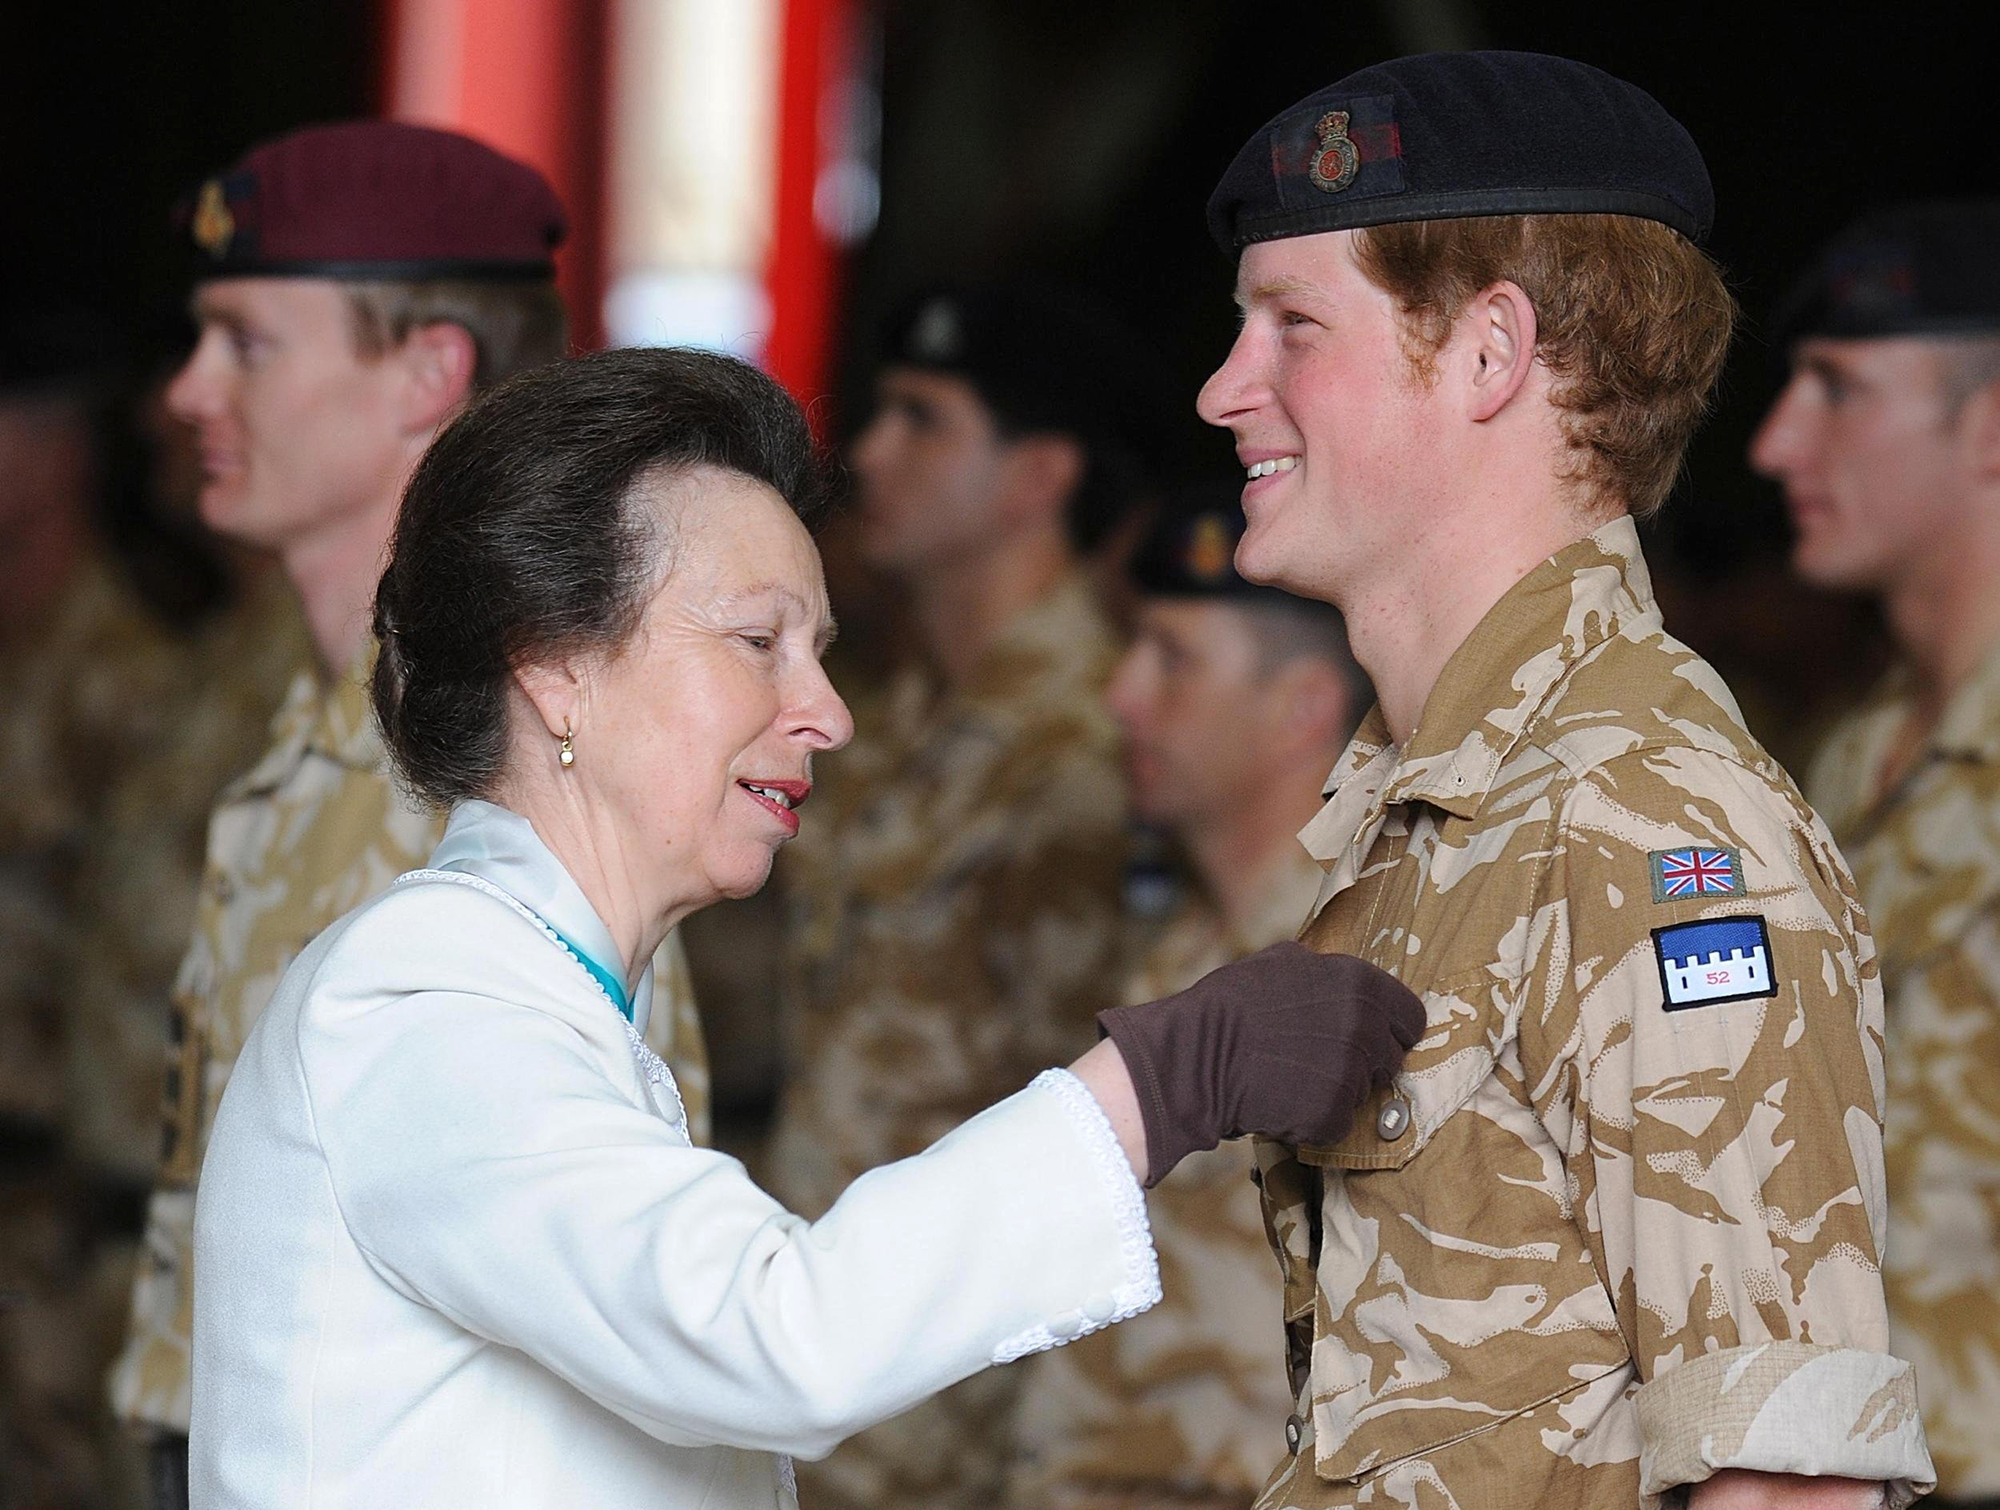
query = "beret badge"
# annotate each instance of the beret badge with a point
(938, 335)
(1210, 550)
(213, 226)
(1336, 162)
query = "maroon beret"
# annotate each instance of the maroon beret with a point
(375, 199)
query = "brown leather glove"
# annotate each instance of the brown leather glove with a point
(1286, 1042)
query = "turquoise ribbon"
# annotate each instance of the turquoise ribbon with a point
(613, 986)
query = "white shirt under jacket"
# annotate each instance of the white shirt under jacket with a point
(453, 1248)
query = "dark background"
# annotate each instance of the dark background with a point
(1081, 137)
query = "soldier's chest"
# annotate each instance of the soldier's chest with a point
(1445, 904)
(1927, 861)
(920, 811)
(281, 866)
(1432, 898)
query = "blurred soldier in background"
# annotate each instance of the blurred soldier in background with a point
(355, 283)
(1611, 1237)
(1886, 439)
(1233, 702)
(955, 891)
(111, 613)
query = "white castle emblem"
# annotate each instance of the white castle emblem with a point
(1705, 977)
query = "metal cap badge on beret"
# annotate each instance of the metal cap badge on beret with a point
(375, 199)
(1910, 270)
(1449, 134)
(1189, 548)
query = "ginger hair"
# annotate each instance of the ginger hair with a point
(1632, 322)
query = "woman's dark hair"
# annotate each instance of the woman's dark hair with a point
(519, 541)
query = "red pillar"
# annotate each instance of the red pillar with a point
(802, 278)
(529, 77)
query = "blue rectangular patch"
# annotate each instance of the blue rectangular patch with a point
(1724, 959)
(1695, 872)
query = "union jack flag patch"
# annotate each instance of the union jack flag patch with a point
(1679, 873)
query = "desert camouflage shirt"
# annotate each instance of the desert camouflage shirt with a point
(140, 887)
(315, 828)
(1926, 855)
(955, 921)
(103, 698)
(87, 694)
(1184, 1406)
(1616, 1224)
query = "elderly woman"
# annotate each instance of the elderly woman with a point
(453, 1245)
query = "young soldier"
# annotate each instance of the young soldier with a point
(956, 899)
(1612, 1236)
(1231, 702)
(355, 283)
(1887, 442)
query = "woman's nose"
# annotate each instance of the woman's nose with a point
(822, 718)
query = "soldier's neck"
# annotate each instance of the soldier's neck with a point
(1243, 855)
(961, 607)
(335, 569)
(1407, 618)
(1944, 612)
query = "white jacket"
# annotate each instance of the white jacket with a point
(453, 1248)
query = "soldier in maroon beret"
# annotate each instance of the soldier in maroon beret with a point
(354, 284)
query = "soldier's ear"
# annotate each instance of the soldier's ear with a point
(440, 361)
(1043, 473)
(1499, 325)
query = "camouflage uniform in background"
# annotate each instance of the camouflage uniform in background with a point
(1926, 856)
(86, 697)
(1183, 1406)
(955, 893)
(94, 691)
(316, 827)
(143, 874)
(1616, 1225)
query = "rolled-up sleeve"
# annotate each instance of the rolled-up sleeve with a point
(1723, 1127)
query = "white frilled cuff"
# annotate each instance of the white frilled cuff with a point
(1140, 1288)
(1783, 1407)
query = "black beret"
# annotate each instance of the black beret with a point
(375, 199)
(1042, 357)
(1449, 134)
(1915, 269)
(1189, 548)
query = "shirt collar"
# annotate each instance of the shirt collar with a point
(1041, 640)
(500, 847)
(1361, 772)
(1044, 645)
(1970, 727)
(1523, 648)
(345, 729)
(334, 719)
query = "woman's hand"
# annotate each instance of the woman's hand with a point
(1285, 1042)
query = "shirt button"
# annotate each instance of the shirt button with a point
(1295, 1431)
(1393, 1120)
